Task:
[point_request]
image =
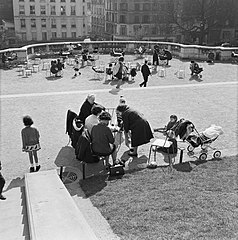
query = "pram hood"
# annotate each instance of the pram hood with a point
(213, 131)
(183, 128)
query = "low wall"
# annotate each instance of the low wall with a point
(181, 51)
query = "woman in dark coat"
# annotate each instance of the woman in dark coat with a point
(139, 127)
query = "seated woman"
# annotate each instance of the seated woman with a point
(135, 123)
(86, 108)
(60, 67)
(92, 119)
(195, 69)
(103, 140)
(54, 68)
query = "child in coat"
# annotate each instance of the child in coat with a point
(30, 142)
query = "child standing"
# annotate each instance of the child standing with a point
(30, 142)
(76, 68)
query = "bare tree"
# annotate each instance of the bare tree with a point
(195, 18)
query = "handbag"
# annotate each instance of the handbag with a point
(116, 170)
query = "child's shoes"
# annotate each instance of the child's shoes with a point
(32, 169)
(37, 168)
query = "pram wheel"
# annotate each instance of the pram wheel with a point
(190, 148)
(217, 154)
(203, 157)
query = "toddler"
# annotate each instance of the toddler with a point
(172, 122)
(30, 142)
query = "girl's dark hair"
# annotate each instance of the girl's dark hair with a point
(174, 117)
(105, 116)
(96, 110)
(27, 120)
(121, 108)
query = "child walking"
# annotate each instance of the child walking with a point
(76, 68)
(30, 142)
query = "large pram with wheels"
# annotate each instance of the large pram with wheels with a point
(187, 132)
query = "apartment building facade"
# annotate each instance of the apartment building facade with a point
(139, 20)
(47, 20)
(98, 18)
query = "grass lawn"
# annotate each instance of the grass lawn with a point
(196, 201)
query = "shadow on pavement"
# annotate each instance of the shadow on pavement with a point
(196, 78)
(66, 157)
(93, 185)
(17, 182)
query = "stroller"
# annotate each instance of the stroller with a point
(187, 132)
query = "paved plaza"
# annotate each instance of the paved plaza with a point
(210, 100)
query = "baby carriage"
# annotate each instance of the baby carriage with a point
(189, 133)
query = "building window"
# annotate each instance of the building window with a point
(72, 0)
(52, 0)
(43, 22)
(122, 19)
(54, 35)
(146, 19)
(32, 9)
(33, 23)
(53, 23)
(63, 10)
(64, 34)
(23, 23)
(32, 0)
(73, 34)
(23, 36)
(137, 19)
(123, 6)
(62, 0)
(52, 10)
(42, 10)
(34, 36)
(137, 7)
(73, 25)
(73, 10)
(44, 36)
(146, 7)
(63, 25)
(123, 30)
(21, 0)
(21, 10)
(236, 34)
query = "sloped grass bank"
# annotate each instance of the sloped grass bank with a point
(196, 201)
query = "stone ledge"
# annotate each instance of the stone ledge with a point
(52, 213)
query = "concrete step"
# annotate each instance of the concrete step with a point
(13, 217)
(52, 213)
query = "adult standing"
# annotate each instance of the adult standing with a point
(145, 73)
(86, 107)
(155, 58)
(135, 123)
(168, 55)
(119, 73)
(2, 183)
